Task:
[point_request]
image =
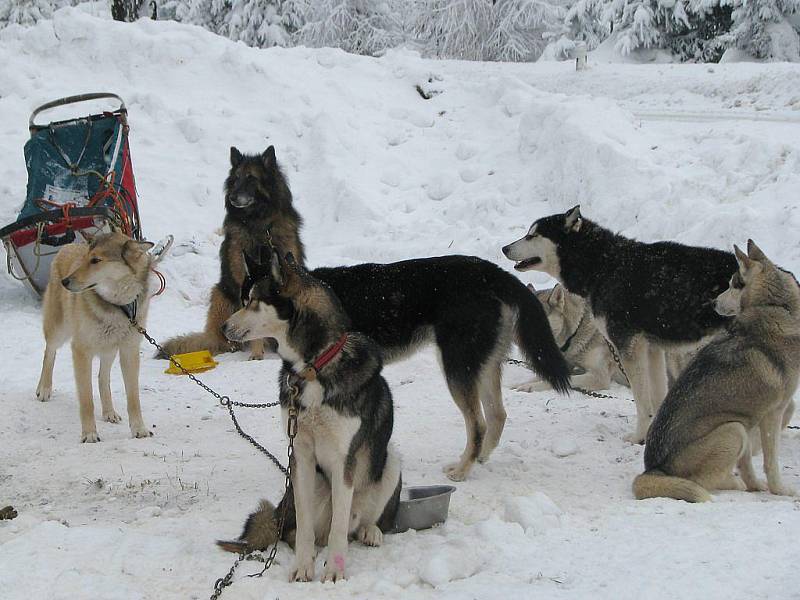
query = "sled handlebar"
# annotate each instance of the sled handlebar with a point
(72, 100)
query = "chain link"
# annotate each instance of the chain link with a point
(593, 394)
(291, 431)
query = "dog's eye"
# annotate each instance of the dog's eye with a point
(737, 282)
(94, 260)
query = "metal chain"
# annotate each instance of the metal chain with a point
(291, 431)
(616, 358)
(593, 394)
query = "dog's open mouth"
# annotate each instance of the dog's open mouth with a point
(527, 263)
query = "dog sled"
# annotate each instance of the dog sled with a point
(80, 184)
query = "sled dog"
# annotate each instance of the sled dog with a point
(345, 475)
(89, 286)
(743, 380)
(645, 298)
(471, 309)
(257, 201)
(584, 347)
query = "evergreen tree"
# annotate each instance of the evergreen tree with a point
(25, 12)
(755, 29)
(585, 23)
(357, 26)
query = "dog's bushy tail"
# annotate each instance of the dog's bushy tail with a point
(193, 342)
(260, 531)
(534, 336)
(657, 484)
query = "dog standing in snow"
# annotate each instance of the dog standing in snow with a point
(345, 473)
(645, 298)
(89, 286)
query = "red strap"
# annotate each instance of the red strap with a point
(328, 355)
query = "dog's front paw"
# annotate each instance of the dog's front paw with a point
(111, 417)
(43, 393)
(457, 471)
(534, 385)
(140, 431)
(89, 437)
(756, 486)
(370, 535)
(334, 569)
(257, 355)
(782, 489)
(303, 571)
(634, 438)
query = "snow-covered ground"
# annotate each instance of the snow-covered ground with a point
(702, 154)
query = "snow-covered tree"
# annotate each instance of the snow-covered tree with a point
(455, 28)
(523, 28)
(585, 23)
(25, 12)
(358, 26)
(487, 29)
(255, 22)
(761, 28)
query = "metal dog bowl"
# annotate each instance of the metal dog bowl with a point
(422, 507)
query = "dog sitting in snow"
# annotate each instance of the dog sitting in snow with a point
(345, 474)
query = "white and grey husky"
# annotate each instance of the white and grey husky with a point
(584, 346)
(744, 380)
(345, 474)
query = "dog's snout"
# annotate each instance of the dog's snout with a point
(506, 249)
(65, 282)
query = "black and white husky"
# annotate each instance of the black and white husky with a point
(346, 475)
(646, 298)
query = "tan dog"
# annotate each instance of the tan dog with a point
(89, 284)
(744, 379)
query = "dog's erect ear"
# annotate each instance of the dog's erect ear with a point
(557, 297)
(236, 157)
(755, 253)
(745, 263)
(133, 250)
(573, 219)
(268, 156)
(531, 288)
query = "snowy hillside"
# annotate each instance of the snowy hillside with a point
(701, 154)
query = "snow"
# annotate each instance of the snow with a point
(701, 154)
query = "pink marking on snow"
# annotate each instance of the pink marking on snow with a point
(338, 560)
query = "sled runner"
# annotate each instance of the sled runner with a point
(80, 183)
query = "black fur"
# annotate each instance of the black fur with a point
(459, 300)
(664, 289)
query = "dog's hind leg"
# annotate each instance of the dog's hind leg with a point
(82, 366)
(129, 363)
(469, 404)
(104, 385)
(55, 335)
(657, 371)
(491, 395)
(635, 362)
(709, 460)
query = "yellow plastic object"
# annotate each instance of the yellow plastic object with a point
(194, 362)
